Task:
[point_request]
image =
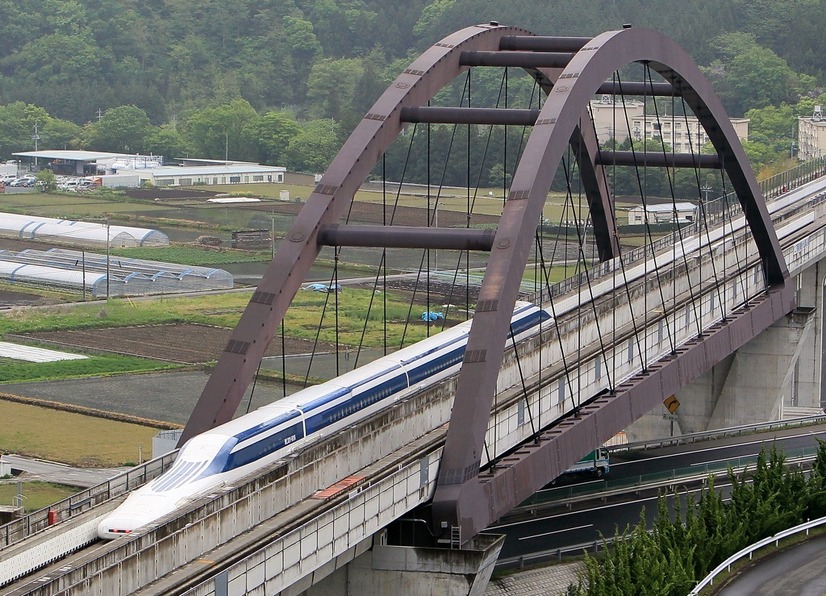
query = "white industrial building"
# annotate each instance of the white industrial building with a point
(89, 163)
(148, 168)
(811, 136)
(232, 173)
(683, 212)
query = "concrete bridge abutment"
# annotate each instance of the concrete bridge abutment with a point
(415, 571)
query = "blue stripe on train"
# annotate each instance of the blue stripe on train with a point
(226, 461)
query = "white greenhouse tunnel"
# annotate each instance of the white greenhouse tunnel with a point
(30, 227)
(105, 277)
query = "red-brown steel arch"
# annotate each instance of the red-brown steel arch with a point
(428, 74)
(239, 362)
(461, 500)
(582, 65)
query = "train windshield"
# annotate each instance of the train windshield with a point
(202, 448)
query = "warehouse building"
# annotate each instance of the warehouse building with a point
(148, 168)
(223, 173)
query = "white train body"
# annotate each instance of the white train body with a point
(233, 450)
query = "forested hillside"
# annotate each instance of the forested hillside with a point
(284, 81)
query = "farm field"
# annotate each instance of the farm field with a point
(74, 438)
(171, 342)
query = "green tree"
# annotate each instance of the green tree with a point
(46, 180)
(312, 149)
(272, 133)
(816, 494)
(222, 131)
(17, 126)
(123, 129)
(747, 75)
(774, 126)
(60, 134)
(166, 141)
(332, 87)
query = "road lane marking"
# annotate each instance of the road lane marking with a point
(557, 532)
(717, 448)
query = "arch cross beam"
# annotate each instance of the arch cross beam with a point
(461, 500)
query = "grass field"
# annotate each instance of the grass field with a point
(72, 438)
(36, 495)
(193, 255)
(92, 205)
(73, 205)
(15, 371)
(221, 310)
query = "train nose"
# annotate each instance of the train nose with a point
(118, 525)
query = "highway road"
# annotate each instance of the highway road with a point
(797, 571)
(557, 525)
(37, 469)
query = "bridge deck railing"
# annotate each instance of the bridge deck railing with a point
(720, 433)
(716, 212)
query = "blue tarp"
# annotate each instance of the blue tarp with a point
(430, 315)
(324, 287)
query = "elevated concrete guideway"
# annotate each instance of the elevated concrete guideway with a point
(284, 537)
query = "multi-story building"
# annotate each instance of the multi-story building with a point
(621, 120)
(811, 136)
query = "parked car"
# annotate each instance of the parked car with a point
(70, 184)
(24, 181)
(85, 184)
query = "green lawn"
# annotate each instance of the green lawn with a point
(224, 310)
(18, 371)
(193, 255)
(36, 495)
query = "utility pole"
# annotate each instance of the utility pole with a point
(107, 258)
(35, 138)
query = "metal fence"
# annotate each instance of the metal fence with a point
(81, 502)
(725, 566)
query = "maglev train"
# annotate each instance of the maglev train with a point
(233, 450)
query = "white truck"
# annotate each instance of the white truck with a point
(595, 463)
(119, 180)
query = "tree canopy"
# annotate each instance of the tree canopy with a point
(208, 78)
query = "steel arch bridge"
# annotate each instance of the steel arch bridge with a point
(570, 72)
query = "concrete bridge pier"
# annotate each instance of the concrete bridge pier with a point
(775, 375)
(754, 384)
(415, 571)
(807, 391)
